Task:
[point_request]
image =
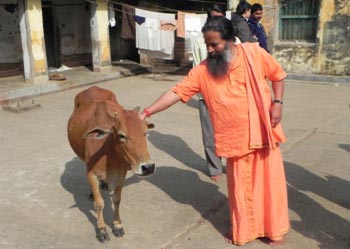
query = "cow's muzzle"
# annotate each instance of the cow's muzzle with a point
(147, 169)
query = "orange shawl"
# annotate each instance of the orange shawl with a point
(259, 102)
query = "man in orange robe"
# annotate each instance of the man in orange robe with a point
(246, 122)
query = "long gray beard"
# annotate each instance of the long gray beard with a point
(218, 64)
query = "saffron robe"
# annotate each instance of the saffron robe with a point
(239, 107)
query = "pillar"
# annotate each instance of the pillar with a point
(33, 42)
(101, 52)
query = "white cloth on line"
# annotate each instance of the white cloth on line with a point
(111, 15)
(193, 31)
(150, 37)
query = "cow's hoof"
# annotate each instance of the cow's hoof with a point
(102, 235)
(118, 231)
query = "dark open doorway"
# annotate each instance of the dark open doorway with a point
(52, 41)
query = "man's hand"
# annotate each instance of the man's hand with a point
(276, 114)
(142, 115)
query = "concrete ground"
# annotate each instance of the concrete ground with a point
(44, 199)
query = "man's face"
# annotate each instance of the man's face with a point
(219, 53)
(257, 15)
(215, 44)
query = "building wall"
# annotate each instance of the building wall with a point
(329, 55)
(73, 21)
(333, 38)
(52, 33)
(10, 40)
(74, 26)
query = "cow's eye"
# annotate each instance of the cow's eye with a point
(122, 137)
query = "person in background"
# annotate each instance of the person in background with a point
(246, 116)
(256, 27)
(240, 24)
(199, 54)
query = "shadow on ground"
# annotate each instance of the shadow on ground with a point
(182, 185)
(185, 187)
(317, 221)
(74, 181)
(345, 147)
(178, 149)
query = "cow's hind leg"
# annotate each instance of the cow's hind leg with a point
(117, 223)
(101, 233)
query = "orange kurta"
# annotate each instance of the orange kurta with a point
(227, 102)
(239, 108)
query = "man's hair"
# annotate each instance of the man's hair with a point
(221, 25)
(256, 7)
(217, 8)
(242, 7)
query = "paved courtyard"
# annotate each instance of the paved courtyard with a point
(44, 192)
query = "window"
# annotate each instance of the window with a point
(298, 20)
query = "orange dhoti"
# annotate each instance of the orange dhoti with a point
(257, 196)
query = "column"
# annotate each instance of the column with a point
(33, 42)
(101, 52)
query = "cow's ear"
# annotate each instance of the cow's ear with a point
(97, 133)
(137, 109)
(149, 125)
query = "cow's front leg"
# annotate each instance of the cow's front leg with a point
(101, 233)
(117, 223)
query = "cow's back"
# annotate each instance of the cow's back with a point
(93, 94)
(88, 116)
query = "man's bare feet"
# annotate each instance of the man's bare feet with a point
(215, 178)
(276, 242)
(279, 242)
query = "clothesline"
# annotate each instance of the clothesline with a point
(174, 10)
(150, 9)
(203, 1)
(169, 10)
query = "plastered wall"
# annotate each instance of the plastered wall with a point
(10, 39)
(74, 27)
(329, 55)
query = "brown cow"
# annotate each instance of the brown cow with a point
(110, 140)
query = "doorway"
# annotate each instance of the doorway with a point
(51, 34)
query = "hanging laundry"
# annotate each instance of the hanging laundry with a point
(180, 32)
(153, 26)
(193, 23)
(128, 23)
(149, 35)
(139, 19)
(168, 25)
(193, 31)
(111, 15)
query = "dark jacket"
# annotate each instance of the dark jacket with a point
(241, 29)
(259, 31)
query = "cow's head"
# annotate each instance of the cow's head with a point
(128, 135)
